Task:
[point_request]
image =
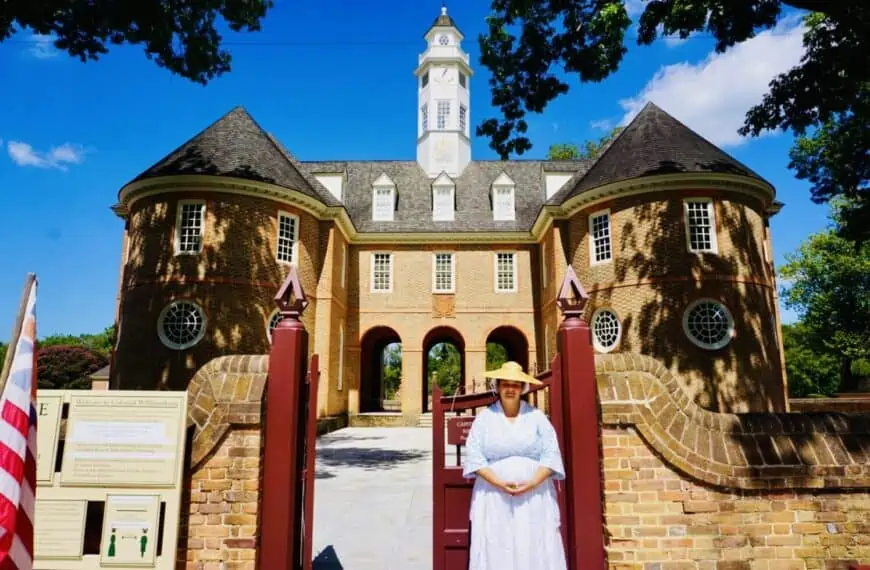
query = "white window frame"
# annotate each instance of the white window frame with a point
(452, 288)
(463, 118)
(424, 117)
(515, 287)
(389, 288)
(294, 249)
(595, 340)
(439, 215)
(591, 234)
(729, 318)
(499, 215)
(442, 121)
(340, 376)
(168, 343)
(711, 210)
(386, 217)
(179, 210)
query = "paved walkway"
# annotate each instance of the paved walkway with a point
(373, 500)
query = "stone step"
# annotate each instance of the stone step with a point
(425, 420)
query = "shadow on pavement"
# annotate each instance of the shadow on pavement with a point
(367, 458)
(327, 559)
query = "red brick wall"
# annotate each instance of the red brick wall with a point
(689, 489)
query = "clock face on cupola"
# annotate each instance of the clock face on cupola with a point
(443, 120)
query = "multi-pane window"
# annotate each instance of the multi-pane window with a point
(462, 79)
(503, 203)
(383, 203)
(442, 203)
(424, 81)
(443, 273)
(505, 272)
(288, 231)
(442, 116)
(601, 242)
(382, 272)
(463, 117)
(190, 226)
(424, 117)
(699, 225)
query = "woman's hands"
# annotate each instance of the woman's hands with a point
(515, 488)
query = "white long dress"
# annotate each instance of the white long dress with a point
(514, 532)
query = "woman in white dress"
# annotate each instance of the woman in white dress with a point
(513, 454)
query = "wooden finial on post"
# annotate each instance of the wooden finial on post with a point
(291, 299)
(572, 296)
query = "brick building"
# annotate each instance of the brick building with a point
(669, 235)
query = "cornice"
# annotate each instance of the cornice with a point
(753, 187)
(135, 191)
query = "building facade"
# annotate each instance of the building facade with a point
(669, 235)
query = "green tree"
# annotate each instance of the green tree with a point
(496, 355)
(178, 35)
(101, 342)
(445, 362)
(529, 41)
(591, 148)
(2, 354)
(829, 286)
(813, 370)
(392, 370)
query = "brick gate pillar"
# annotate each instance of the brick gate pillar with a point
(585, 532)
(281, 498)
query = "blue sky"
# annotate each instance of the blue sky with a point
(332, 80)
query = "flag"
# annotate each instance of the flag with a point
(18, 446)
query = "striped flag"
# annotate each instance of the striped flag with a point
(18, 447)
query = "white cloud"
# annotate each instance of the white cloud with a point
(602, 124)
(713, 95)
(59, 157)
(42, 46)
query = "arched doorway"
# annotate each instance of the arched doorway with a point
(507, 343)
(381, 368)
(444, 353)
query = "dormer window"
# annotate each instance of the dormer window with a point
(443, 198)
(503, 203)
(383, 199)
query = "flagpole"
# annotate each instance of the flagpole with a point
(16, 330)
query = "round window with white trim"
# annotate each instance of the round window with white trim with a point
(276, 318)
(606, 330)
(708, 324)
(181, 324)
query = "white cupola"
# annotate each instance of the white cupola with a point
(443, 113)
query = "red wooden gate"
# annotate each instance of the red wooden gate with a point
(574, 413)
(451, 491)
(287, 526)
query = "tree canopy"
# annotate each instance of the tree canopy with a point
(825, 100)
(591, 149)
(828, 284)
(178, 35)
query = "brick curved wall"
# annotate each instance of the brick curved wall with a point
(653, 278)
(234, 279)
(688, 489)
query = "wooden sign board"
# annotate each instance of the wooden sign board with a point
(457, 429)
(109, 485)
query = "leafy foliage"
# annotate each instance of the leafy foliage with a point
(829, 286)
(392, 370)
(68, 367)
(445, 364)
(591, 150)
(178, 35)
(812, 369)
(101, 342)
(528, 41)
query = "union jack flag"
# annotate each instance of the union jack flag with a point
(18, 447)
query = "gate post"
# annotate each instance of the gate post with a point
(585, 532)
(280, 527)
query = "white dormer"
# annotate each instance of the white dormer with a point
(503, 198)
(443, 198)
(383, 199)
(334, 182)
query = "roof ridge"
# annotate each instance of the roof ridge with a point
(325, 195)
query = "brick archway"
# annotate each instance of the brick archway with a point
(437, 335)
(514, 342)
(374, 341)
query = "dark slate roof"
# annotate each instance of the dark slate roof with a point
(653, 143)
(414, 188)
(235, 145)
(444, 19)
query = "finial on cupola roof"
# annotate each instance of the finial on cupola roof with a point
(443, 8)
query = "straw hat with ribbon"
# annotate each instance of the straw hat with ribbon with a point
(511, 371)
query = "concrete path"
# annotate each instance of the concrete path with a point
(373, 500)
